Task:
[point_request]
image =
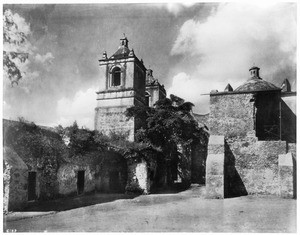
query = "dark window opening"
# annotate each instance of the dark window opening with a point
(147, 99)
(267, 123)
(80, 182)
(116, 77)
(31, 186)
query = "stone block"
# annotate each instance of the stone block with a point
(216, 144)
(286, 179)
(138, 177)
(215, 176)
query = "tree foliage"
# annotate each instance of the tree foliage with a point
(168, 124)
(15, 50)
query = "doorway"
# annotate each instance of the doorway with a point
(31, 186)
(114, 181)
(80, 182)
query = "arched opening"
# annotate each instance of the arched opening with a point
(147, 99)
(116, 77)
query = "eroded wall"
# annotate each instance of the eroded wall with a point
(231, 114)
(252, 166)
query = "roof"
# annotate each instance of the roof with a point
(254, 67)
(122, 51)
(256, 84)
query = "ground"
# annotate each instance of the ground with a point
(186, 211)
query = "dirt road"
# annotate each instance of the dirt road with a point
(181, 212)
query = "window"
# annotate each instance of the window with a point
(147, 99)
(116, 77)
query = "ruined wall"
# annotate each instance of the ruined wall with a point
(15, 174)
(231, 115)
(138, 177)
(67, 178)
(252, 165)
(104, 171)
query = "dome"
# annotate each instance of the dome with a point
(257, 84)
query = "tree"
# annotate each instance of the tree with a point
(15, 47)
(168, 125)
(171, 127)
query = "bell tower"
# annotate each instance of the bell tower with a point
(122, 85)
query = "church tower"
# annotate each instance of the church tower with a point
(122, 85)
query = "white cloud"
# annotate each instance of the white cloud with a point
(46, 59)
(175, 8)
(231, 39)
(81, 108)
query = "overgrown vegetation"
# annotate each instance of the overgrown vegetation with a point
(42, 149)
(168, 125)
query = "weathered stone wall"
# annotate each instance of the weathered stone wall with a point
(287, 180)
(113, 119)
(231, 115)
(100, 169)
(15, 174)
(256, 165)
(156, 92)
(138, 177)
(215, 167)
(67, 178)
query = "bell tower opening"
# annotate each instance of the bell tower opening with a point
(116, 77)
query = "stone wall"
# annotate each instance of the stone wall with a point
(215, 167)
(67, 179)
(231, 115)
(15, 174)
(113, 119)
(138, 177)
(241, 166)
(253, 165)
(104, 171)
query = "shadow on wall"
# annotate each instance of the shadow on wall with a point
(288, 123)
(233, 184)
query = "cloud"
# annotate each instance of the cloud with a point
(80, 108)
(175, 8)
(44, 59)
(229, 41)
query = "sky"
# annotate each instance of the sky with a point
(192, 49)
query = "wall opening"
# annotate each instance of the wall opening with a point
(147, 99)
(80, 182)
(31, 186)
(114, 181)
(267, 116)
(116, 77)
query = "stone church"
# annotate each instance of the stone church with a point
(251, 148)
(125, 82)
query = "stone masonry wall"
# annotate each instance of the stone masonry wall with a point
(15, 174)
(256, 165)
(138, 177)
(114, 119)
(231, 115)
(67, 178)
